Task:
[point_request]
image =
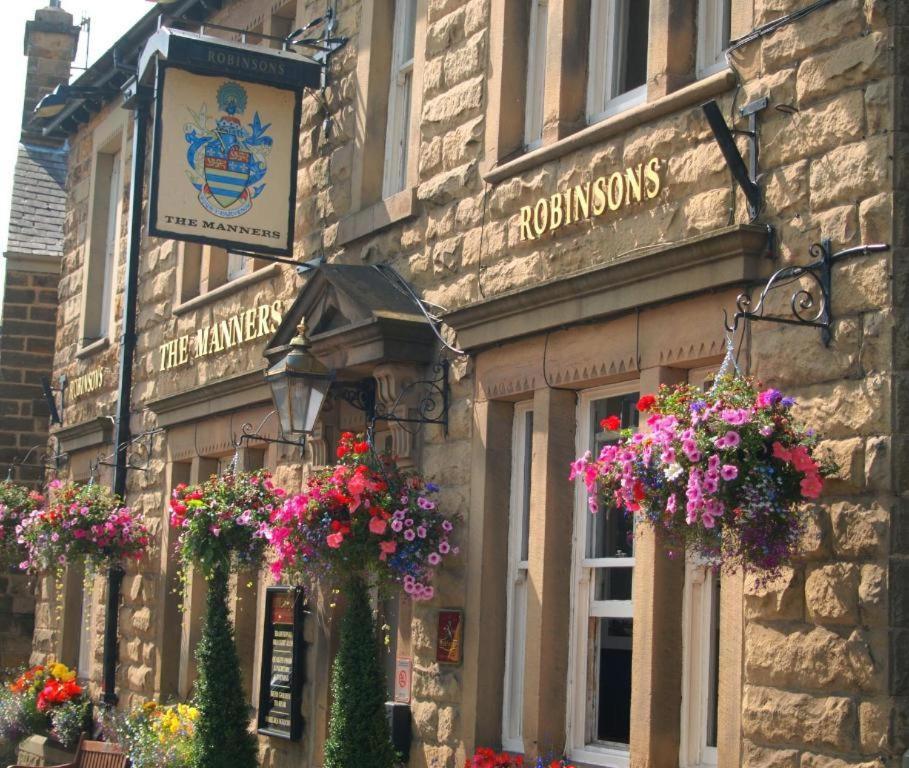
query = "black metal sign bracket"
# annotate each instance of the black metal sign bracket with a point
(810, 303)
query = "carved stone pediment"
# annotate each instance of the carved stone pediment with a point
(356, 319)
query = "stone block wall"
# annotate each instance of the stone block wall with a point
(824, 661)
(17, 620)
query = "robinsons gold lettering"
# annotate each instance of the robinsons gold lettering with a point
(582, 201)
(87, 383)
(239, 328)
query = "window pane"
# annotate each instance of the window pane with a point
(609, 666)
(409, 10)
(713, 687)
(536, 72)
(610, 532)
(612, 583)
(528, 457)
(633, 20)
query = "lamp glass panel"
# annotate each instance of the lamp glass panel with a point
(320, 389)
(279, 394)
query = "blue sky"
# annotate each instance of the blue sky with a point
(109, 20)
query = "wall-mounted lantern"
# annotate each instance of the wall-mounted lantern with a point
(299, 385)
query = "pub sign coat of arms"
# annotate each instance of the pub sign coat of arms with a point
(225, 162)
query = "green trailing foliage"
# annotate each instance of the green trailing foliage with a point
(358, 734)
(223, 739)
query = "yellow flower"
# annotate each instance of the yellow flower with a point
(62, 673)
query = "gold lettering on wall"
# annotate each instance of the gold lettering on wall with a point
(612, 192)
(221, 336)
(86, 384)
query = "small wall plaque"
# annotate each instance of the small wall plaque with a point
(449, 639)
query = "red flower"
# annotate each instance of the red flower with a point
(341, 452)
(611, 423)
(646, 403)
(362, 447)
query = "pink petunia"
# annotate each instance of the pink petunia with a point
(729, 472)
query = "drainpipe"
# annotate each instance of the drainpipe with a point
(136, 99)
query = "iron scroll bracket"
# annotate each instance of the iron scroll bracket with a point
(810, 304)
(250, 434)
(138, 450)
(431, 407)
(40, 457)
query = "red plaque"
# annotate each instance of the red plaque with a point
(450, 637)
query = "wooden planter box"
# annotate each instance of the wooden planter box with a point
(41, 751)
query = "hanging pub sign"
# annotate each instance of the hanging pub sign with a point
(281, 681)
(227, 121)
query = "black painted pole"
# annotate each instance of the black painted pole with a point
(124, 388)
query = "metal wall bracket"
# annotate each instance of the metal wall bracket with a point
(810, 305)
(431, 408)
(39, 457)
(248, 434)
(138, 454)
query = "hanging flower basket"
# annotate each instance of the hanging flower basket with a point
(16, 503)
(224, 522)
(81, 523)
(363, 516)
(45, 701)
(722, 473)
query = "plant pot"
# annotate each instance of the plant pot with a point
(42, 750)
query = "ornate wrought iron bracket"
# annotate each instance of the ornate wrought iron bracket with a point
(138, 453)
(431, 408)
(247, 434)
(46, 459)
(809, 304)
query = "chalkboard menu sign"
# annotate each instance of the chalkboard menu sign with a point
(281, 682)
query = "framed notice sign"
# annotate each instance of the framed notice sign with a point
(224, 167)
(281, 682)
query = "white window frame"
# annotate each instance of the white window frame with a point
(238, 264)
(536, 73)
(606, 50)
(516, 594)
(111, 242)
(697, 632)
(698, 615)
(86, 626)
(713, 21)
(584, 607)
(400, 98)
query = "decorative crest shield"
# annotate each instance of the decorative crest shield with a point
(227, 160)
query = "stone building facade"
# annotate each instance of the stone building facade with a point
(581, 236)
(28, 322)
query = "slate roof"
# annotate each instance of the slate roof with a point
(39, 201)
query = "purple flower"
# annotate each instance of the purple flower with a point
(432, 487)
(409, 534)
(447, 526)
(729, 472)
(444, 547)
(396, 525)
(434, 558)
(421, 532)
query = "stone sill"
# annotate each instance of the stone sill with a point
(87, 434)
(93, 348)
(230, 287)
(695, 93)
(734, 255)
(377, 217)
(212, 398)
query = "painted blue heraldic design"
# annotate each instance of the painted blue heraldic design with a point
(227, 160)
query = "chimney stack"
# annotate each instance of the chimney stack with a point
(51, 40)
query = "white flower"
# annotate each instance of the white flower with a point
(673, 470)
